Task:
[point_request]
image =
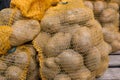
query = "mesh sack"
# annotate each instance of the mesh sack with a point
(108, 17)
(67, 45)
(5, 32)
(14, 66)
(33, 8)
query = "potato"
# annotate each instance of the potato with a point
(58, 43)
(24, 31)
(67, 57)
(13, 73)
(104, 51)
(82, 74)
(50, 24)
(99, 6)
(41, 40)
(49, 73)
(50, 63)
(2, 78)
(62, 77)
(21, 58)
(115, 45)
(114, 6)
(117, 1)
(96, 31)
(82, 40)
(5, 16)
(3, 66)
(89, 4)
(109, 35)
(108, 15)
(92, 59)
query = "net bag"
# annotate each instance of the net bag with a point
(34, 9)
(70, 43)
(14, 66)
(107, 13)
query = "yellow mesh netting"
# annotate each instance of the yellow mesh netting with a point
(33, 8)
(5, 32)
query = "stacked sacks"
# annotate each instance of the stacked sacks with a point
(19, 65)
(108, 16)
(71, 44)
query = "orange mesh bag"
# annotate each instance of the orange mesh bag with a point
(34, 9)
(14, 66)
(107, 13)
(70, 43)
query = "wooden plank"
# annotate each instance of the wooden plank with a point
(111, 74)
(114, 60)
(116, 53)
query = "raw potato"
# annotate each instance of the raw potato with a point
(114, 6)
(117, 1)
(92, 59)
(115, 45)
(99, 6)
(82, 74)
(5, 16)
(34, 75)
(58, 43)
(13, 73)
(24, 31)
(21, 58)
(49, 73)
(70, 61)
(3, 66)
(89, 4)
(82, 40)
(42, 39)
(62, 77)
(2, 78)
(108, 15)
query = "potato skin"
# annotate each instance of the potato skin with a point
(59, 42)
(62, 77)
(3, 66)
(82, 39)
(67, 57)
(13, 73)
(2, 78)
(89, 4)
(24, 31)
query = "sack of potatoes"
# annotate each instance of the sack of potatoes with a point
(107, 14)
(19, 64)
(71, 44)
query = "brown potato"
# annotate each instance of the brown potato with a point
(13, 73)
(24, 31)
(3, 66)
(99, 6)
(70, 61)
(117, 1)
(82, 74)
(21, 58)
(115, 45)
(62, 77)
(41, 40)
(89, 4)
(108, 15)
(5, 16)
(92, 59)
(58, 43)
(82, 40)
(34, 75)
(114, 6)
(49, 73)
